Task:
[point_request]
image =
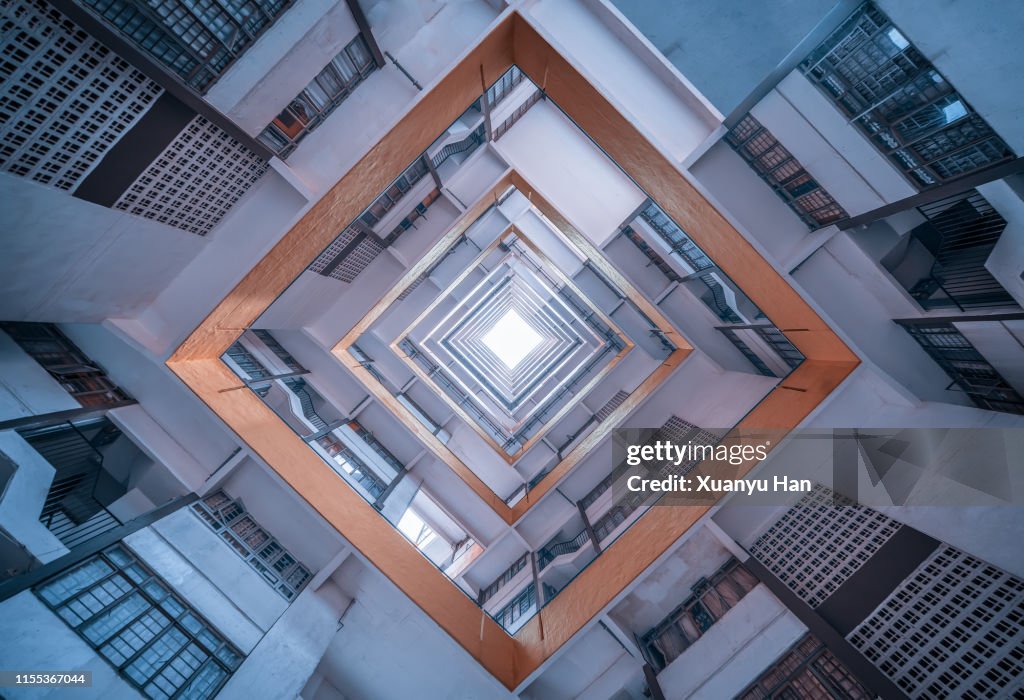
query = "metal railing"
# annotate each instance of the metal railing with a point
(72, 511)
(503, 578)
(548, 553)
(772, 337)
(961, 233)
(501, 129)
(275, 347)
(467, 144)
(246, 362)
(374, 444)
(298, 387)
(695, 258)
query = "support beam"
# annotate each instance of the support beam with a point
(652, 683)
(934, 194)
(589, 528)
(364, 28)
(71, 415)
(9, 589)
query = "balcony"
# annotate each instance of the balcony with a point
(768, 350)
(711, 599)
(948, 342)
(941, 263)
(76, 506)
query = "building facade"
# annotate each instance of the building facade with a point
(324, 323)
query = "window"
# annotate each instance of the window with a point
(820, 542)
(195, 181)
(196, 40)
(712, 598)
(520, 606)
(79, 375)
(66, 99)
(262, 552)
(807, 671)
(413, 526)
(953, 605)
(905, 107)
(784, 174)
(323, 94)
(132, 619)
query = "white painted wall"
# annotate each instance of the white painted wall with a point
(1006, 263)
(173, 407)
(240, 240)
(26, 389)
(69, 260)
(22, 500)
(565, 167)
(289, 653)
(34, 638)
(282, 62)
(883, 180)
(626, 69)
(734, 651)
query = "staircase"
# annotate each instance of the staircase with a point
(298, 387)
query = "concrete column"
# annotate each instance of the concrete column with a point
(287, 656)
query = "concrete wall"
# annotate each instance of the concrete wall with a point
(35, 639)
(724, 48)
(734, 651)
(174, 409)
(289, 653)
(26, 389)
(22, 500)
(567, 168)
(593, 37)
(66, 259)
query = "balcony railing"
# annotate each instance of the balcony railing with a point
(961, 233)
(374, 444)
(86, 381)
(773, 338)
(968, 369)
(298, 387)
(72, 510)
(268, 339)
(781, 171)
(696, 258)
(548, 553)
(520, 606)
(711, 600)
(503, 579)
(352, 467)
(228, 517)
(247, 362)
(466, 145)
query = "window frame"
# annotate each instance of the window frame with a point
(143, 587)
